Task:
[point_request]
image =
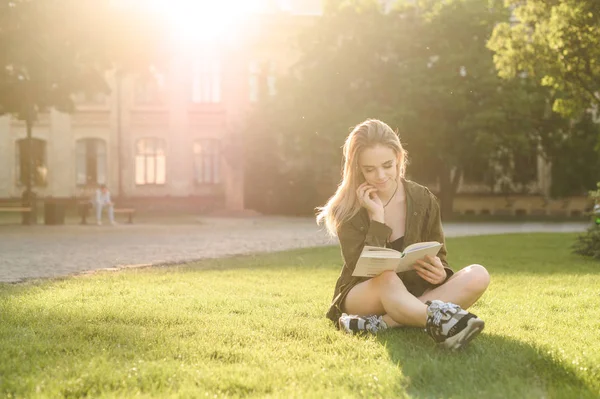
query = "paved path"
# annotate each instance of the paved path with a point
(51, 251)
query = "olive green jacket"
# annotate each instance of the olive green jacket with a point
(423, 223)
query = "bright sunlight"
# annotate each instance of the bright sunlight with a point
(205, 20)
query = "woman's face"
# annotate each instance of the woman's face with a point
(379, 166)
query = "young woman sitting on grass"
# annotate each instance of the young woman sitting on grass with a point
(375, 205)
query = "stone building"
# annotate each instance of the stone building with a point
(170, 139)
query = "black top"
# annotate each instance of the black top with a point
(397, 244)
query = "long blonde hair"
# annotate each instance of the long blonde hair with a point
(343, 205)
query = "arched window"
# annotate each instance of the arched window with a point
(206, 81)
(90, 161)
(150, 161)
(207, 161)
(31, 153)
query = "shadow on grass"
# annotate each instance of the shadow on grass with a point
(491, 366)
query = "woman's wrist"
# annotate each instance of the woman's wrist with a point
(378, 217)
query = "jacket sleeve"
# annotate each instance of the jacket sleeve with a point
(353, 239)
(436, 233)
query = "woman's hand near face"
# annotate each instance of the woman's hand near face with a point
(368, 199)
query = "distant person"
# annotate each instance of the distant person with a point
(102, 200)
(375, 205)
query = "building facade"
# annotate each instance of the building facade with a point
(172, 134)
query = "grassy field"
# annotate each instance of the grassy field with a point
(254, 326)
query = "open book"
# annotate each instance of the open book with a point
(375, 260)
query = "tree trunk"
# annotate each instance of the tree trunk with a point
(30, 175)
(118, 83)
(448, 186)
(28, 197)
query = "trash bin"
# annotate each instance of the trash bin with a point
(54, 212)
(29, 200)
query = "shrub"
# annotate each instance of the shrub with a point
(588, 244)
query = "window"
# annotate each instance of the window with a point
(90, 162)
(261, 80)
(525, 166)
(206, 81)
(150, 161)
(31, 153)
(254, 81)
(206, 161)
(150, 90)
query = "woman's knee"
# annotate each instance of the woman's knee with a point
(388, 278)
(478, 277)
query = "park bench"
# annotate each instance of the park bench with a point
(20, 209)
(23, 210)
(85, 207)
(127, 211)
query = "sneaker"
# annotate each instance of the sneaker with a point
(451, 326)
(354, 324)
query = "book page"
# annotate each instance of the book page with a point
(410, 258)
(420, 245)
(380, 252)
(373, 266)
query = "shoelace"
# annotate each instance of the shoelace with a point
(442, 310)
(374, 320)
(375, 323)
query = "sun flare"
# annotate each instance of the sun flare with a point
(205, 20)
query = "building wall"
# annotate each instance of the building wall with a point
(177, 122)
(120, 120)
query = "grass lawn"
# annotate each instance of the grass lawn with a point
(255, 326)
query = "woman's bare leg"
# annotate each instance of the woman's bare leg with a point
(464, 288)
(386, 294)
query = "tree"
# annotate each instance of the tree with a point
(555, 42)
(457, 111)
(51, 49)
(588, 243)
(575, 163)
(424, 69)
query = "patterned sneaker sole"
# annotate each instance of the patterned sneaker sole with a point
(343, 328)
(460, 340)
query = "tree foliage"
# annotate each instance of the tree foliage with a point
(422, 68)
(50, 49)
(555, 42)
(588, 244)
